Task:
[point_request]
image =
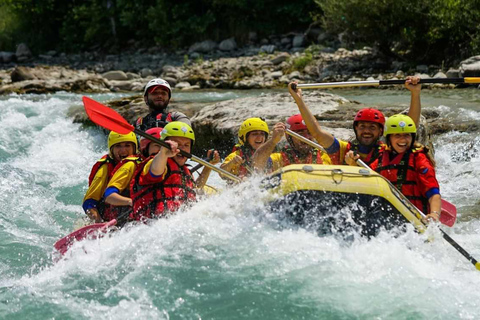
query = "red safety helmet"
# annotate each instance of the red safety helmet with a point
(369, 115)
(144, 142)
(296, 123)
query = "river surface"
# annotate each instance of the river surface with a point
(226, 257)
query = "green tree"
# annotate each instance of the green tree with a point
(422, 31)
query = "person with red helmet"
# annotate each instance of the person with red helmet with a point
(294, 152)
(157, 94)
(367, 125)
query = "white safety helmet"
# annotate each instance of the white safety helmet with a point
(158, 82)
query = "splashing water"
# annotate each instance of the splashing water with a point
(227, 256)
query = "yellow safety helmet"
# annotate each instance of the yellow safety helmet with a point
(399, 123)
(177, 129)
(114, 138)
(249, 125)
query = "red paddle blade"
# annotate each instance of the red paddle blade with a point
(449, 213)
(106, 117)
(91, 231)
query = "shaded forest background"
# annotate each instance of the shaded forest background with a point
(429, 31)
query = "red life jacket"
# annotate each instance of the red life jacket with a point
(245, 153)
(106, 159)
(160, 121)
(157, 199)
(371, 156)
(289, 156)
(401, 172)
(113, 212)
(110, 163)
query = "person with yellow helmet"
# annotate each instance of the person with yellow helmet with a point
(294, 152)
(157, 94)
(120, 146)
(409, 165)
(117, 193)
(162, 183)
(251, 135)
(367, 126)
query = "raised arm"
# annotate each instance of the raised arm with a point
(324, 138)
(261, 155)
(203, 177)
(415, 106)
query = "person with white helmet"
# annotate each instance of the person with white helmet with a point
(120, 146)
(157, 94)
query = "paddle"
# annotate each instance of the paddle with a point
(111, 120)
(449, 211)
(92, 230)
(198, 166)
(449, 239)
(376, 83)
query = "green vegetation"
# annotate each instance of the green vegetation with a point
(429, 31)
(299, 63)
(109, 25)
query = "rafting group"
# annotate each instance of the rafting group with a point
(141, 179)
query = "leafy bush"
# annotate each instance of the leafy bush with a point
(424, 31)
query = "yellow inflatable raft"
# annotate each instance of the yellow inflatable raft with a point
(339, 199)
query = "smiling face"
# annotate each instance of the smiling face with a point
(368, 133)
(256, 138)
(184, 144)
(157, 99)
(400, 142)
(122, 150)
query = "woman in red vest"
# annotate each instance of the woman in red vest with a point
(409, 165)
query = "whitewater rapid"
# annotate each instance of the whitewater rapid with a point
(226, 257)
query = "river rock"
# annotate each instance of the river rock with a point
(6, 57)
(115, 75)
(21, 74)
(228, 45)
(280, 58)
(23, 53)
(470, 67)
(203, 47)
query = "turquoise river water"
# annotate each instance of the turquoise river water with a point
(226, 257)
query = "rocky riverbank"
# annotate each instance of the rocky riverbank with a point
(259, 68)
(255, 69)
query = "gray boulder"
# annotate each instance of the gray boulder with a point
(23, 53)
(6, 57)
(203, 47)
(470, 67)
(298, 41)
(228, 45)
(117, 75)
